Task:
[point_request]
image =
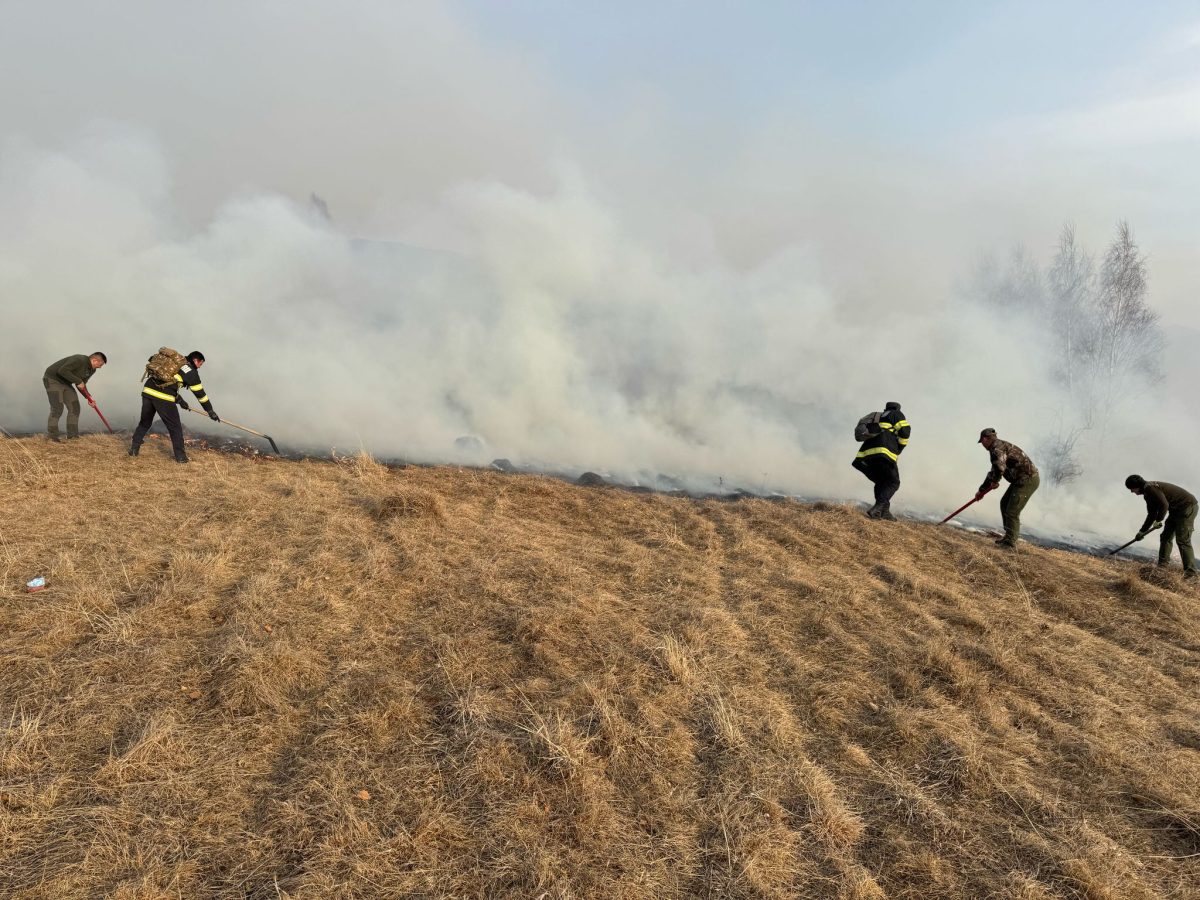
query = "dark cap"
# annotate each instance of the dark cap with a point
(891, 404)
(196, 354)
(987, 432)
(1135, 481)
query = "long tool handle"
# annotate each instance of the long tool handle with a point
(242, 428)
(1153, 527)
(1122, 547)
(974, 499)
(957, 511)
(92, 404)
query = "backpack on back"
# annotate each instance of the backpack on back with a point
(164, 365)
(867, 427)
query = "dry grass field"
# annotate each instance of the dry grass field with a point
(258, 678)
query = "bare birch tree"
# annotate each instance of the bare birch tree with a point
(1071, 283)
(1106, 338)
(1128, 339)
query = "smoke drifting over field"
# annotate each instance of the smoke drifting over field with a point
(575, 291)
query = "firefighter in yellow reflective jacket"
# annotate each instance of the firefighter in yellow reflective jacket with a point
(162, 399)
(878, 457)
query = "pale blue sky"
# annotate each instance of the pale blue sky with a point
(935, 68)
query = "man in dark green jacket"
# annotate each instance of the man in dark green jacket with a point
(1178, 507)
(61, 380)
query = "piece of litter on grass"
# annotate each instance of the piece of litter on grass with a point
(268, 629)
(38, 584)
(195, 695)
(363, 795)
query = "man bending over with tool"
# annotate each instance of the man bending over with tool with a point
(61, 381)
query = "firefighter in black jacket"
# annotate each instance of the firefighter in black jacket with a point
(879, 455)
(162, 399)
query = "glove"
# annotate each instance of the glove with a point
(1140, 535)
(183, 404)
(212, 414)
(979, 495)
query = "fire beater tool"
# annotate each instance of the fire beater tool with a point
(242, 428)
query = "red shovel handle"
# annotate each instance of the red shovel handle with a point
(92, 403)
(974, 499)
(957, 511)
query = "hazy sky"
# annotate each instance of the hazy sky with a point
(1093, 104)
(674, 228)
(1015, 104)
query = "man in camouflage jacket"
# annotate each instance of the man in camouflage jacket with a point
(1009, 462)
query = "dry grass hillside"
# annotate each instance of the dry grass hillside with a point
(257, 678)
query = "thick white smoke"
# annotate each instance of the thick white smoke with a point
(540, 298)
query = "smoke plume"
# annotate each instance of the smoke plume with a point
(487, 260)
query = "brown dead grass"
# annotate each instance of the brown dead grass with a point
(255, 678)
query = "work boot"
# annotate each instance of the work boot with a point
(181, 458)
(885, 512)
(57, 439)
(875, 511)
(133, 451)
(72, 437)
(1189, 573)
(1005, 544)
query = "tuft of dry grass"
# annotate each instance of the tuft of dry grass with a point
(405, 504)
(22, 464)
(349, 680)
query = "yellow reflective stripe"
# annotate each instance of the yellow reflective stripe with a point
(159, 394)
(903, 442)
(884, 450)
(886, 426)
(903, 423)
(203, 398)
(179, 378)
(196, 387)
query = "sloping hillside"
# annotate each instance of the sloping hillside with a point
(260, 678)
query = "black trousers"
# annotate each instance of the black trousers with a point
(169, 413)
(884, 474)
